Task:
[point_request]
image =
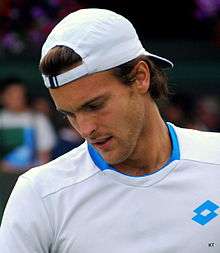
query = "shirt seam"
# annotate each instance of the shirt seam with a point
(197, 161)
(56, 236)
(67, 186)
(144, 186)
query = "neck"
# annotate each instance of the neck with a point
(153, 147)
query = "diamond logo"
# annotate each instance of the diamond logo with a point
(205, 212)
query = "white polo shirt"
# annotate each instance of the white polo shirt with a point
(79, 204)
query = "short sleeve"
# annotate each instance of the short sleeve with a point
(25, 225)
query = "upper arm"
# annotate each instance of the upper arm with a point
(25, 225)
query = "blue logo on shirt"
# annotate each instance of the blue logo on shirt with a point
(205, 212)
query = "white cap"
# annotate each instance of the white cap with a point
(103, 39)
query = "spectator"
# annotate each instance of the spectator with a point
(26, 137)
(21, 131)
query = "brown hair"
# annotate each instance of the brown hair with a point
(158, 79)
(61, 58)
(58, 60)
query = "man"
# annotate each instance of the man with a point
(137, 184)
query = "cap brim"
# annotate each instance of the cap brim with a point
(160, 61)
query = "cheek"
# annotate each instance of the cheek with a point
(119, 117)
(72, 123)
(111, 119)
(118, 122)
(135, 119)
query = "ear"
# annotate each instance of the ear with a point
(142, 74)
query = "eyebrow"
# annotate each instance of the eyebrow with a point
(92, 100)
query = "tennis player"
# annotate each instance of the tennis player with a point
(137, 184)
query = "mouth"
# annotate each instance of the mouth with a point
(103, 143)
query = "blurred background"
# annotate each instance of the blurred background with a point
(32, 133)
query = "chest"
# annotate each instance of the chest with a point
(173, 217)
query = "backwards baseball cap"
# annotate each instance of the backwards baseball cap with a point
(103, 39)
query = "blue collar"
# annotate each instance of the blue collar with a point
(103, 165)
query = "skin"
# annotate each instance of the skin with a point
(125, 118)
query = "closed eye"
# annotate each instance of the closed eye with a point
(93, 106)
(90, 106)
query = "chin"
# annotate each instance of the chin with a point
(116, 155)
(110, 160)
(114, 160)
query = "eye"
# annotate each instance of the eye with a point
(94, 106)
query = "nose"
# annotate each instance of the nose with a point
(86, 125)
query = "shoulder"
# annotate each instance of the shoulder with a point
(69, 169)
(199, 146)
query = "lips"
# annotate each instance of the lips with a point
(102, 143)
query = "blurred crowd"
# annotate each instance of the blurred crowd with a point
(200, 112)
(26, 23)
(207, 12)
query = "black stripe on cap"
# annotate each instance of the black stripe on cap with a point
(52, 83)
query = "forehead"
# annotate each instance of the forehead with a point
(85, 88)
